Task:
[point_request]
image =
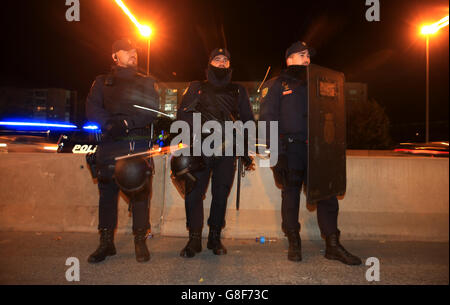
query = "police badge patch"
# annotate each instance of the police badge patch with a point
(286, 89)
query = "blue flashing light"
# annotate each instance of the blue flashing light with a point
(91, 127)
(36, 124)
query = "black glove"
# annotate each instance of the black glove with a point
(116, 128)
(248, 162)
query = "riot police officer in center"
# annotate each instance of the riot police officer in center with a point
(125, 130)
(220, 100)
(284, 99)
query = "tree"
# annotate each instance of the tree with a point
(367, 126)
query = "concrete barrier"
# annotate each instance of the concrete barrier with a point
(388, 197)
(55, 192)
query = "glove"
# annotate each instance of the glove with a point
(248, 162)
(116, 128)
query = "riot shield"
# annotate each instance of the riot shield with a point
(326, 174)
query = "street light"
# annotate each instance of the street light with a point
(428, 30)
(144, 30)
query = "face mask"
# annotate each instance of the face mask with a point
(219, 73)
(297, 71)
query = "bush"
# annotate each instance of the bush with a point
(367, 126)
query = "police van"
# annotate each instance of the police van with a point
(32, 136)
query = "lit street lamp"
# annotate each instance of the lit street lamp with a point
(147, 33)
(428, 30)
(144, 30)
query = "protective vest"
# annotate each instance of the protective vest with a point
(123, 90)
(218, 103)
(293, 107)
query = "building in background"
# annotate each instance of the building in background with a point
(171, 94)
(49, 104)
(53, 104)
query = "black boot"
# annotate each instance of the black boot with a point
(214, 242)
(106, 247)
(140, 247)
(194, 244)
(295, 246)
(334, 250)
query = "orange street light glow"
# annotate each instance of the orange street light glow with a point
(145, 30)
(433, 28)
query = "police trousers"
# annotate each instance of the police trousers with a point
(221, 170)
(109, 190)
(293, 158)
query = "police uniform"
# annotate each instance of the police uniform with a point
(285, 99)
(125, 129)
(220, 100)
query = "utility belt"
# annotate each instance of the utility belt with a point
(224, 145)
(104, 157)
(134, 134)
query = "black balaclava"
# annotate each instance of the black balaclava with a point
(219, 77)
(297, 71)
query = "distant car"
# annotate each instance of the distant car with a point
(27, 143)
(434, 149)
(31, 136)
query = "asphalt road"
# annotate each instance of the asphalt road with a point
(40, 258)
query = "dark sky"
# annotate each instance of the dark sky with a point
(41, 49)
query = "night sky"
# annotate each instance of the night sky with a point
(41, 49)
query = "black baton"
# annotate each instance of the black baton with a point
(238, 189)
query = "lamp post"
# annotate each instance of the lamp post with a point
(148, 56)
(144, 30)
(428, 30)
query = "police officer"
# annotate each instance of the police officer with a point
(217, 99)
(125, 129)
(284, 99)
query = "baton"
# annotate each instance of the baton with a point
(153, 152)
(238, 187)
(149, 109)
